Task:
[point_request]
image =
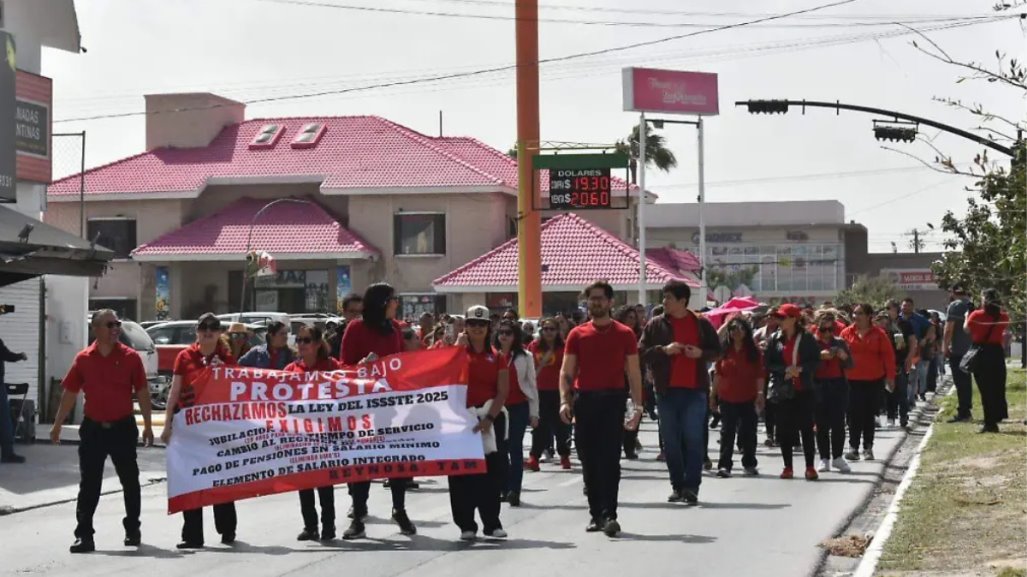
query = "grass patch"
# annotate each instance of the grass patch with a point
(967, 508)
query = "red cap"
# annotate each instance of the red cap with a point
(787, 310)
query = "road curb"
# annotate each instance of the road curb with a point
(11, 510)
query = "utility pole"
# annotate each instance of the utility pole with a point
(529, 225)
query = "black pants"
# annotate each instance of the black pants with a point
(864, 400)
(832, 403)
(480, 492)
(770, 419)
(309, 511)
(118, 441)
(964, 387)
(737, 418)
(990, 375)
(796, 422)
(932, 375)
(192, 522)
(550, 425)
(361, 491)
(598, 434)
(898, 401)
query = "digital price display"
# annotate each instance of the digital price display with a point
(580, 189)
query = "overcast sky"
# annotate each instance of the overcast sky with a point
(254, 49)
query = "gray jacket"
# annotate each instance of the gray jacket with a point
(259, 357)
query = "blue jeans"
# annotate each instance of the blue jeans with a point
(519, 416)
(682, 424)
(917, 381)
(6, 425)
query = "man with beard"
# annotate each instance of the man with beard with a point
(597, 356)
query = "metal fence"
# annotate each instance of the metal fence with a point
(69, 160)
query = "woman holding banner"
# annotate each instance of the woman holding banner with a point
(314, 357)
(208, 351)
(367, 339)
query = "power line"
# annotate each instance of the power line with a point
(793, 177)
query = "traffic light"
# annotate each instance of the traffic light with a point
(768, 106)
(895, 131)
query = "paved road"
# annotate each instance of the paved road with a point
(745, 526)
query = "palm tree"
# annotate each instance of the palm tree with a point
(656, 152)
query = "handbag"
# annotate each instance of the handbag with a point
(968, 364)
(782, 388)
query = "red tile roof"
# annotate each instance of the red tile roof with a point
(674, 259)
(575, 252)
(286, 228)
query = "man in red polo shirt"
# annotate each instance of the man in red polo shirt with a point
(598, 355)
(109, 373)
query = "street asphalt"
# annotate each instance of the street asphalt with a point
(754, 527)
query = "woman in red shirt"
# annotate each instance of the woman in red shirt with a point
(873, 365)
(548, 353)
(314, 356)
(488, 383)
(986, 327)
(521, 403)
(738, 388)
(208, 350)
(832, 393)
(377, 334)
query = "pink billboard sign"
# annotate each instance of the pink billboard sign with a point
(670, 91)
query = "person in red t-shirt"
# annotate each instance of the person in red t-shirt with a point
(832, 390)
(521, 402)
(377, 334)
(314, 356)
(986, 327)
(109, 373)
(208, 350)
(597, 355)
(873, 370)
(738, 387)
(548, 352)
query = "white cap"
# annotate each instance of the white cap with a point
(478, 312)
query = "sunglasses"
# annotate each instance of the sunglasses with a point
(238, 335)
(113, 324)
(210, 327)
(506, 333)
(304, 340)
(477, 324)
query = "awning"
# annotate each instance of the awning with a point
(29, 248)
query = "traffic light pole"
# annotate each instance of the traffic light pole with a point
(641, 211)
(781, 106)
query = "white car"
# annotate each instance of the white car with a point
(255, 318)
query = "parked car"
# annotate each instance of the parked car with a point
(135, 337)
(173, 337)
(148, 324)
(255, 318)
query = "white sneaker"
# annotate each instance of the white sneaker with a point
(468, 536)
(497, 534)
(842, 465)
(825, 466)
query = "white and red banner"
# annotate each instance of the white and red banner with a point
(255, 432)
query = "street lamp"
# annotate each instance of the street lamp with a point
(249, 239)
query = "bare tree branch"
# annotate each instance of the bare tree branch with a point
(978, 110)
(980, 71)
(997, 133)
(949, 169)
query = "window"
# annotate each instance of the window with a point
(309, 135)
(267, 137)
(163, 335)
(117, 234)
(419, 233)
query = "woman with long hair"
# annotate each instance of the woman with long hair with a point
(314, 356)
(274, 353)
(627, 316)
(738, 384)
(548, 352)
(488, 383)
(521, 402)
(377, 334)
(986, 327)
(832, 393)
(873, 369)
(792, 359)
(208, 351)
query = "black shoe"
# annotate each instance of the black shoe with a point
(133, 539)
(690, 497)
(328, 534)
(504, 497)
(959, 419)
(351, 514)
(676, 496)
(723, 473)
(12, 458)
(632, 456)
(923, 398)
(189, 545)
(406, 527)
(989, 428)
(308, 535)
(514, 499)
(594, 526)
(228, 538)
(707, 465)
(752, 471)
(82, 546)
(355, 531)
(611, 528)
(412, 484)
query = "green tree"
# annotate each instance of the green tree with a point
(873, 290)
(656, 152)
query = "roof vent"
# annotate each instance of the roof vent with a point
(309, 135)
(267, 137)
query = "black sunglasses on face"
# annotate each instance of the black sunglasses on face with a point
(477, 324)
(113, 325)
(210, 327)
(506, 333)
(304, 340)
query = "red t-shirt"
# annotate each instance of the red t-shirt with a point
(602, 355)
(516, 395)
(683, 369)
(482, 376)
(980, 325)
(190, 363)
(830, 368)
(787, 352)
(109, 382)
(738, 376)
(298, 366)
(360, 340)
(549, 375)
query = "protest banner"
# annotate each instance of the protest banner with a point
(254, 432)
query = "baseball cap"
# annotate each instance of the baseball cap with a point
(478, 312)
(787, 310)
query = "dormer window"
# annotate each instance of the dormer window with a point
(267, 137)
(309, 135)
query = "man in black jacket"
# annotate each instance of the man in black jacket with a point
(7, 454)
(677, 348)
